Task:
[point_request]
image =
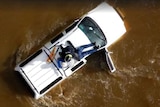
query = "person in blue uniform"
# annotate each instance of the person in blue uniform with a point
(70, 52)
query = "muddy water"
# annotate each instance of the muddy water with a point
(26, 26)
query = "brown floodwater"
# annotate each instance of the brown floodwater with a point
(26, 26)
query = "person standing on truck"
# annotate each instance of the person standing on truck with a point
(69, 52)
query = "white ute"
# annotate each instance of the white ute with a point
(103, 26)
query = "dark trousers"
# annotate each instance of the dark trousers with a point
(82, 53)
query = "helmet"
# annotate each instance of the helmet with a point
(68, 57)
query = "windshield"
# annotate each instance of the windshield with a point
(92, 31)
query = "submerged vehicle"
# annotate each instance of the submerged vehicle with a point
(101, 26)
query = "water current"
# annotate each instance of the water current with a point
(27, 25)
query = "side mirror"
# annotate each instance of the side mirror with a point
(109, 61)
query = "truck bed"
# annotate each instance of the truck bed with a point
(39, 72)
